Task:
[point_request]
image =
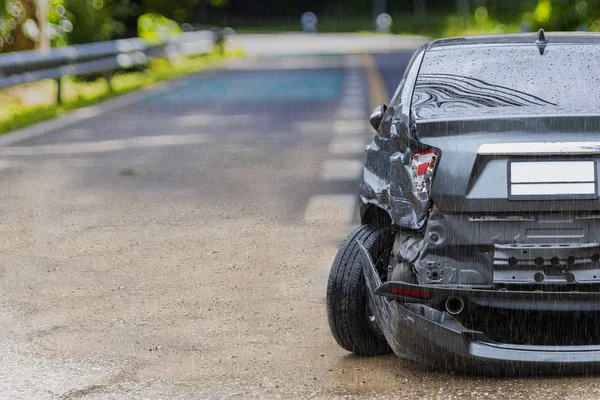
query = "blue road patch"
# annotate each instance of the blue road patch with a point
(263, 86)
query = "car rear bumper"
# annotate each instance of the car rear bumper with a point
(530, 300)
(421, 333)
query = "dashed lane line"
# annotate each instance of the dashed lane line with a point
(104, 146)
(349, 113)
(287, 63)
(350, 127)
(352, 62)
(347, 146)
(349, 130)
(354, 81)
(189, 121)
(353, 101)
(8, 165)
(312, 126)
(353, 91)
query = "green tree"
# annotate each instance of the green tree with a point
(20, 24)
(92, 21)
(565, 15)
(21, 29)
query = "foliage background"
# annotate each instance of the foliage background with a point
(83, 21)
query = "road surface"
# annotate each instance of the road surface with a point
(179, 247)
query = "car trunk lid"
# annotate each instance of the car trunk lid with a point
(515, 165)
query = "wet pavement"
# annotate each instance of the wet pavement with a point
(179, 247)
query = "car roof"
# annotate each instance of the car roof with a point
(518, 39)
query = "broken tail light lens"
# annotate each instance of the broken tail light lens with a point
(423, 166)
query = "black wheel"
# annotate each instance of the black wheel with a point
(347, 302)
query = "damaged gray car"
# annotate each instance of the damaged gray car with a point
(479, 248)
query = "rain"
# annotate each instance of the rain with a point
(299, 199)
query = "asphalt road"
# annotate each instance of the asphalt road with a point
(179, 247)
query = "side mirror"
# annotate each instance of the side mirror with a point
(377, 116)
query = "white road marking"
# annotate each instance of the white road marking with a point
(347, 146)
(285, 63)
(139, 142)
(347, 96)
(350, 127)
(9, 164)
(353, 102)
(349, 139)
(341, 170)
(354, 82)
(354, 99)
(354, 91)
(79, 133)
(312, 126)
(187, 121)
(352, 62)
(354, 85)
(331, 209)
(350, 113)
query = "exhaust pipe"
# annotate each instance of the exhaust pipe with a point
(455, 305)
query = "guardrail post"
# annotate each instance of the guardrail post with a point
(59, 91)
(219, 39)
(108, 75)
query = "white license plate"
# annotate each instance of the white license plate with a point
(552, 180)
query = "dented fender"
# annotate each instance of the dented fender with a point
(387, 179)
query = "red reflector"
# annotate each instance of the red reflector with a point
(422, 169)
(408, 292)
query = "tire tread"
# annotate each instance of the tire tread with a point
(346, 293)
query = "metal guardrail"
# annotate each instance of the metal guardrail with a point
(103, 57)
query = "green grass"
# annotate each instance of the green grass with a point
(18, 111)
(19, 118)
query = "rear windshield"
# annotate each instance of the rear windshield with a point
(468, 81)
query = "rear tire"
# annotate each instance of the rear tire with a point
(347, 303)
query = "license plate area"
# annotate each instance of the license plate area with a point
(552, 180)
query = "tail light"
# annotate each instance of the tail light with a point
(403, 291)
(423, 165)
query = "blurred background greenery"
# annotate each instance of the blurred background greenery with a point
(83, 21)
